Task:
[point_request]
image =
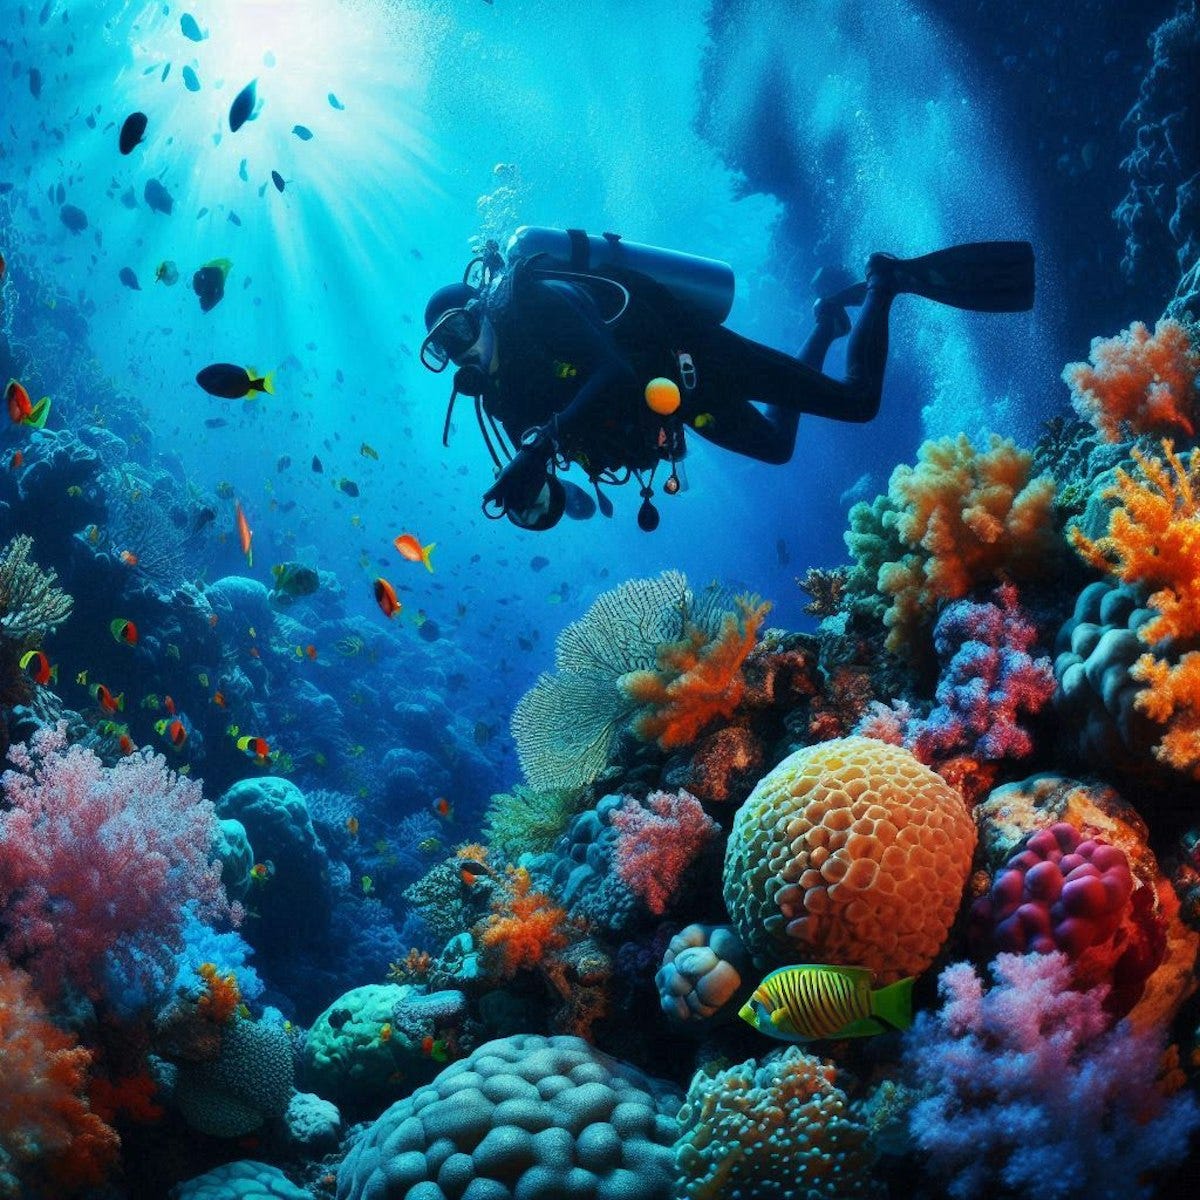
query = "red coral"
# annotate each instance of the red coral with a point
(1138, 382)
(524, 929)
(48, 1133)
(697, 680)
(657, 843)
(97, 862)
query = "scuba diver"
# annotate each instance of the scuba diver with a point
(601, 352)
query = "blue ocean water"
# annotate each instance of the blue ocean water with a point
(388, 141)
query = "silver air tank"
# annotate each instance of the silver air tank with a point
(705, 285)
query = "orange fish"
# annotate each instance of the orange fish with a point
(443, 808)
(311, 651)
(169, 705)
(469, 877)
(212, 620)
(256, 747)
(219, 699)
(128, 558)
(245, 535)
(17, 461)
(125, 742)
(21, 410)
(385, 1033)
(262, 871)
(174, 731)
(352, 826)
(124, 631)
(106, 699)
(410, 547)
(386, 598)
(38, 665)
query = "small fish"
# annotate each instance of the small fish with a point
(169, 705)
(174, 731)
(82, 678)
(334, 102)
(191, 80)
(17, 461)
(173, 651)
(703, 420)
(152, 701)
(368, 451)
(21, 411)
(386, 598)
(368, 885)
(295, 579)
(128, 558)
(385, 1031)
(539, 562)
(191, 30)
(133, 130)
(813, 1003)
(352, 826)
(262, 871)
(283, 463)
(255, 747)
(410, 548)
(106, 699)
(468, 877)
(243, 107)
(434, 1048)
(277, 180)
(443, 808)
(348, 486)
(126, 744)
(123, 631)
(429, 845)
(157, 198)
(302, 132)
(219, 699)
(202, 678)
(233, 383)
(317, 467)
(129, 279)
(209, 283)
(167, 272)
(39, 668)
(74, 218)
(244, 532)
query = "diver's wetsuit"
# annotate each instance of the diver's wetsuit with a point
(556, 356)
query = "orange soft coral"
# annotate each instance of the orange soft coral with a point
(524, 929)
(969, 516)
(221, 996)
(49, 1138)
(1172, 697)
(1138, 382)
(697, 679)
(1154, 539)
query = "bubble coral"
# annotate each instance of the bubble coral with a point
(848, 852)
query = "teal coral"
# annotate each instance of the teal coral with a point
(242, 1180)
(528, 821)
(773, 1131)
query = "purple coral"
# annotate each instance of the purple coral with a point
(1026, 1089)
(990, 682)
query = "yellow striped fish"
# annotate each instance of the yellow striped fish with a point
(810, 1003)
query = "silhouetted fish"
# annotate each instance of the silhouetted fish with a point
(158, 198)
(242, 108)
(191, 30)
(75, 219)
(302, 132)
(277, 180)
(129, 279)
(132, 131)
(191, 80)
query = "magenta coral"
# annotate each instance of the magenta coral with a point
(1026, 1091)
(97, 862)
(657, 842)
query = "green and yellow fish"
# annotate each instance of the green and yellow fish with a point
(811, 1003)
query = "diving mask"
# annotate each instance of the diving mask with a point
(450, 338)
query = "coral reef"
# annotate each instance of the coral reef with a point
(703, 974)
(849, 852)
(766, 1128)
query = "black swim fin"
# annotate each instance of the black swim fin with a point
(978, 276)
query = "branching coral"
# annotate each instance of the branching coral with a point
(524, 929)
(696, 680)
(1138, 382)
(525, 821)
(960, 517)
(1027, 1091)
(1171, 696)
(657, 842)
(825, 589)
(48, 1134)
(30, 603)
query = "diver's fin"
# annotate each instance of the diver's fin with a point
(977, 276)
(893, 1003)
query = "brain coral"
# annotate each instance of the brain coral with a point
(534, 1117)
(771, 1132)
(849, 852)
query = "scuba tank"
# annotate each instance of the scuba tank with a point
(703, 285)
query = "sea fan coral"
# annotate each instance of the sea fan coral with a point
(97, 863)
(697, 679)
(1027, 1090)
(1138, 382)
(48, 1134)
(657, 842)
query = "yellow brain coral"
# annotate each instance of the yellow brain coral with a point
(849, 852)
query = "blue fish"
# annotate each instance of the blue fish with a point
(129, 279)
(302, 132)
(334, 102)
(191, 31)
(277, 180)
(157, 198)
(242, 108)
(190, 80)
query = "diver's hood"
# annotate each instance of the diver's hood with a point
(546, 511)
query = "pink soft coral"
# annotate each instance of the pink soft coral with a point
(49, 1137)
(97, 862)
(1138, 382)
(657, 842)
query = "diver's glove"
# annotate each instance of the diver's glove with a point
(518, 485)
